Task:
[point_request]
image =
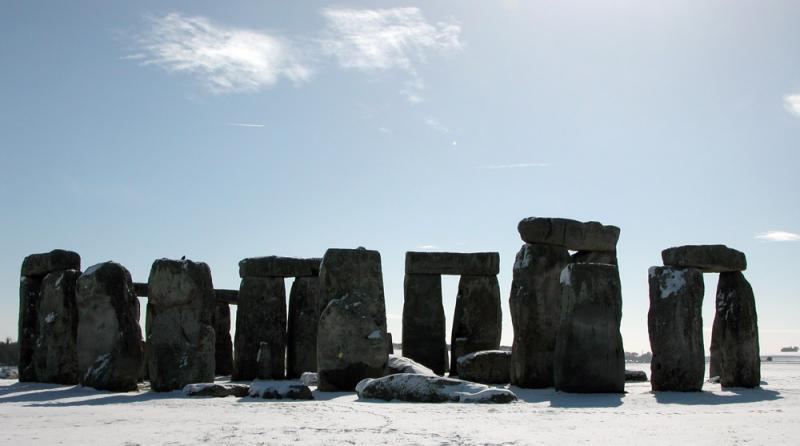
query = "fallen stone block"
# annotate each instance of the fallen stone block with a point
(216, 390)
(280, 390)
(430, 389)
(400, 364)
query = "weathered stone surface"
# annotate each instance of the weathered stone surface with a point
(260, 317)
(389, 344)
(56, 355)
(401, 364)
(109, 339)
(301, 351)
(275, 266)
(430, 389)
(279, 390)
(309, 378)
(180, 338)
(535, 305)
(351, 344)
(263, 361)
(454, 263)
(607, 257)
(28, 334)
(736, 332)
(223, 346)
(706, 258)
(571, 234)
(230, 297)
(635, 376)
(589, 356)
(675, 324)
(39, 265)
(486, 367)
(216, 390)
(478, 318)
(140, 289)
(351, 336)
(424, 329)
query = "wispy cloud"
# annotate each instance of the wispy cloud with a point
(513, 166)
(792, 104)
(225, 59)
(426, 246)
(434, 123)
(243, 124)
(778, 236)
(373, 40)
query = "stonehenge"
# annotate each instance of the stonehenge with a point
(477, 320)
(351, 345)
(261, 316)
(675, 320)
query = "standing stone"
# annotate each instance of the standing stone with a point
(675, 324)
(736, 332)
(301, 352)
(485, 367)
(424, 329)
(263, 361)
(535, 305)
(109, 337)
(56, 355)
(260, 317)
(478, 318)
(29, 288)
(589, 356)
(180, 338)
(223, 348)
(351, 341)
(389, 344)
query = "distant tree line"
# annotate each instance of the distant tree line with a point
(636, 357)
(9, 352)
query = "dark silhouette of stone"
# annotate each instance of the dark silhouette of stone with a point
(109, 341)
(263, 361)
(389, 344)
(486, 367)
(275, 266)
(706, 258)
(39, 265)
(736, 332)
(260, 317)
(180, 337)
(431, 389)
(675, 324)
(535, 305)
(571, 234)
(280, 390)
(607, 257)
(223, 346)
(301, 351)
(589, 356)
(424, 329)
(56, 355)
(29, 300)
(217, 390)
(454, 263)
(635, 376)
(478, 318)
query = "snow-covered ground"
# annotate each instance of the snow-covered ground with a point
(51, 414)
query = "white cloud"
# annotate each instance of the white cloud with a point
(225, 59)
(426, 246)
(242, 124)
(382, 39)
(434, 123)
(513, 166)
(792, 104)
(779, 236)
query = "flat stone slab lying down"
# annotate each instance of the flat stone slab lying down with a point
(280, 390)
(430, 389)
(275, 266)
(216, 390)
(571, 234)
(706, 258)
(453, 263)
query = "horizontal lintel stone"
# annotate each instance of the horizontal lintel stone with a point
(706, 258)
(571, 234)
(39, 265)
(276, 266)
(453, 263)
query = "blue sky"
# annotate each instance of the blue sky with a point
(134, 131)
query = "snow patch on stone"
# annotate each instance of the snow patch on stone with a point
(401, 364)
(473, 355)
(310, 378)
(423, 388)
(50, 318)
(672, 281)
(376, 334)
(566, 275)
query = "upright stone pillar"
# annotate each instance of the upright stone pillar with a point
(223, 349)
(675, 325)
(535, 305)
(424, 329)
(34, 268)
(478, 318)
(351, 336)
(56, 355)
(736, 332)
(301, 352)
(180, 338)
(109, 341)
(260, 317)
(589, 356)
